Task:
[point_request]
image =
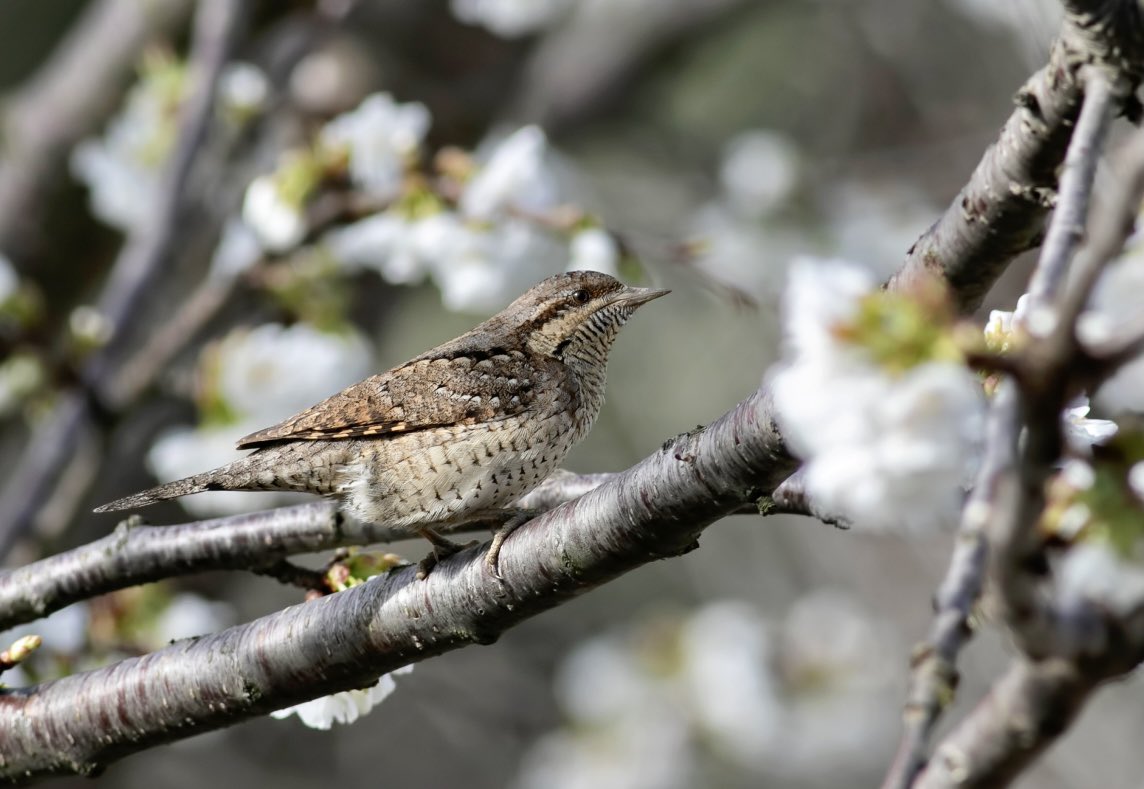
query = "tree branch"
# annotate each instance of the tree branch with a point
(135, 554)
(1000, 212)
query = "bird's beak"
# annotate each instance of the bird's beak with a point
(638, 296)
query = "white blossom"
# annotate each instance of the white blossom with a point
(594, 249)
(379, 136)
(188, 615)
(885, 451)
(1001, 328)
(760, 170)
(511, 18)
(243, 87)
(237, 251)
(258, 368)
(1092, 572)
(671, 702)
(481, 270)
(515, 175)
(1081, 432)
(344, 707)
(393, 245)
(278, 225)
(21, 374)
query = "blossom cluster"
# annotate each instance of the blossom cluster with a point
(675, 700)
(875, 397)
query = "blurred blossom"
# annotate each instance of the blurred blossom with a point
(243, 87)
(483, 270)
(721, 690)
(278, 224)
(511, 18)
(888, 442)
(759, 172)
(237, 251)
(345, 707)
(1093, 572)
(515, 175)
(1001, 329)
(594, 249)
(380, 137)
(252, 379)
(1081, 432)
(188, 615)
(259, 369)
(21, 374)
(398, 248)
(1113, 313)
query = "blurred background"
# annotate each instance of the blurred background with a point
(378, 176)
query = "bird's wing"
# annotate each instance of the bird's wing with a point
(423, 394)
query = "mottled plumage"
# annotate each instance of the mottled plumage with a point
(467, 427)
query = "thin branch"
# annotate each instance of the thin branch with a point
(1069, 218)
(1036, 701)
(134, 554)
(934, 671)
(934, 674)
(138, 264)
(792, 498)
(288, 573)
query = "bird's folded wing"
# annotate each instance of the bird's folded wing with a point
(424, 394)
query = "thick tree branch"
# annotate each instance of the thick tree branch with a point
(656, 509)
(1000, 212)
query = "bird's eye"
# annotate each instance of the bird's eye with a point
(581, 296)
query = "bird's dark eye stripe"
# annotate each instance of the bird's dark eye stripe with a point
(581, 296)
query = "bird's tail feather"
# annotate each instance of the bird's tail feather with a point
(245, 474)
(171, 490)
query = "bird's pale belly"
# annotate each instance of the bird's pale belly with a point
(447, 476)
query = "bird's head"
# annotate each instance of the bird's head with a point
(575, 316)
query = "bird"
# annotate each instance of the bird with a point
(454, 435)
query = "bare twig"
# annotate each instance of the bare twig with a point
(140, 261)
(792, 498)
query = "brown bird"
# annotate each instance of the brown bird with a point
(454, 434)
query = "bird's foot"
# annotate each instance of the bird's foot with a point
(443, 548)
(492, 555)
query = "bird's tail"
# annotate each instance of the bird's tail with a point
(245, 474)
